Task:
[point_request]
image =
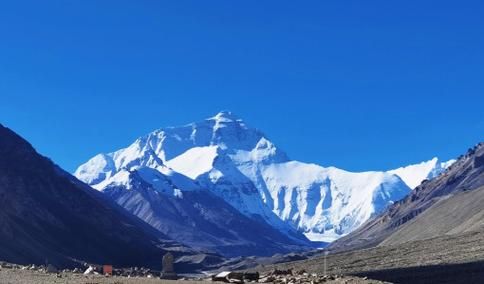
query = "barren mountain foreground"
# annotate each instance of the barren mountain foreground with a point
(14, 276)
(445, 259)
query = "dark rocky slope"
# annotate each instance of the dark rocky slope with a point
(202, 220)
(48, 215)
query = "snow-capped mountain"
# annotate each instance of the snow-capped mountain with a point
(185, 208)
(326, 203)
(223, 156)
(413, 175)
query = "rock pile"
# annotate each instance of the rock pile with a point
(135, 272)
(11, 266)
(88, 270)
(236, 277)
(303, 277)
(285, 277)
(288, 276)
(41, 268)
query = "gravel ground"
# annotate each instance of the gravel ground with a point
(440, 251)
(15, 276)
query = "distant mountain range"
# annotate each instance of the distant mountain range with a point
(221, 185)
(450, 204)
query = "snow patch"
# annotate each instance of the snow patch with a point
(194, 162)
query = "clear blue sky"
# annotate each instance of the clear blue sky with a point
(361, 85)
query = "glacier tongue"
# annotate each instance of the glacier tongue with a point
(243, 167)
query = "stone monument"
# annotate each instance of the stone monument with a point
(168, 271)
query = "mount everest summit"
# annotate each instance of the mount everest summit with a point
(221, 185)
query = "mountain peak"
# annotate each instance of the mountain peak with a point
(225, 116)
(14, 147)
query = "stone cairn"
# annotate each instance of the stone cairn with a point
(168, 270)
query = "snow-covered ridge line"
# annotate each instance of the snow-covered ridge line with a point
(243, 167)
(413, 175)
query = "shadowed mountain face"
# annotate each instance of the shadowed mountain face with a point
(200, 219)
(48, 215)
(448, 204)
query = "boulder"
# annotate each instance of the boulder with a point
(232, 277)
(89, 270)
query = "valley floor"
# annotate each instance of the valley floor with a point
(447, 259)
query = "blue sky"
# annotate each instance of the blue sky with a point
(362, 85)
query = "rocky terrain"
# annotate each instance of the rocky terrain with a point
(17, 274)
(10, 276)
(302, 276)
(461, 213)
(446, 259)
